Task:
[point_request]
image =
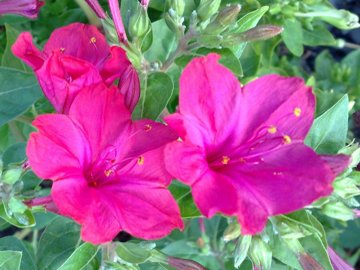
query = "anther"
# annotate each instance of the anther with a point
(297, 112)
(108, 173)
(62, 50)
(148, 127)
(225, 160)
(141, 160)
(286, 139)
(272, 130)
(93, 40)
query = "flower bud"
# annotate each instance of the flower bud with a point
(139, 23)
(27, 8)
(207, 8)
(232, 231)
(308, 263)
(95, 6)
(261, 32)
(183, 264)
(110, 31)
(241, 250)
(337, 262)
(341, 19)
(260, 254)
(177, 5)
(11, 176)
(338, 210)
(224, 19)
(171, 20)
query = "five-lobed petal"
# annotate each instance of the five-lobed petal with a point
(107, 171)
(241, 148)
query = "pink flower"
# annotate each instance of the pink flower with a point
(74, 57)
(107, 171)
(241, 148)
(27, 8)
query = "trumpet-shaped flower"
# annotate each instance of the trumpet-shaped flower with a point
(27, 8)
(108, 172)
(242, 148)
(76, 56)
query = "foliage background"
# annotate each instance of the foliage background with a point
(306, 48)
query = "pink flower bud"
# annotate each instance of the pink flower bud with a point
(27, 8)
(309, 263)
(183, 264)
(337, 262)
(95, 6)
(47, 202)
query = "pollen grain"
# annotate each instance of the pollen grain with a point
(286, 139)
(297, 112)
(141, 160)
(225, 160)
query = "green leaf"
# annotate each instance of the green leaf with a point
(57, 243)
(14, 244)
(20, 220)
(319, 36)
(324, 63)
(329, 130)
(352, 60)
(14, 154)
(251, 19)
(81, 257)
(293, 36)
(132, 253)
(314, 246)
(8, 59)
(164, 42)
(184, 199)
(16, 96)
(10, 260)
(155, 95)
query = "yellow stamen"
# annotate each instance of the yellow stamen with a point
(148, 128)
(297, 112)
(272, 130)
(141, 160)
(225, 160)
(93, 40)
(286, 139)
(108, 172)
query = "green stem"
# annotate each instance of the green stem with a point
(35, 239)
(144, 95)
(90, 14)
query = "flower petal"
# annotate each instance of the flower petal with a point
(62, 77)
(208, 93)
(291, 112)
(214, 193)
(115, 65)
(81, 41)
(25, 49)
(146, 212)
(185, 162)
(337, 163)
(279, 182)
(58, 149)
(105, 123)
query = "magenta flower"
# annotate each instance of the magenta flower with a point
(108, 172)
(27, 8)
(74, 57)
(241, 148)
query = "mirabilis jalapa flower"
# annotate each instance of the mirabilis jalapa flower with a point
(27, 8)
(76, 56)
(241, 149)
(108, 172)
